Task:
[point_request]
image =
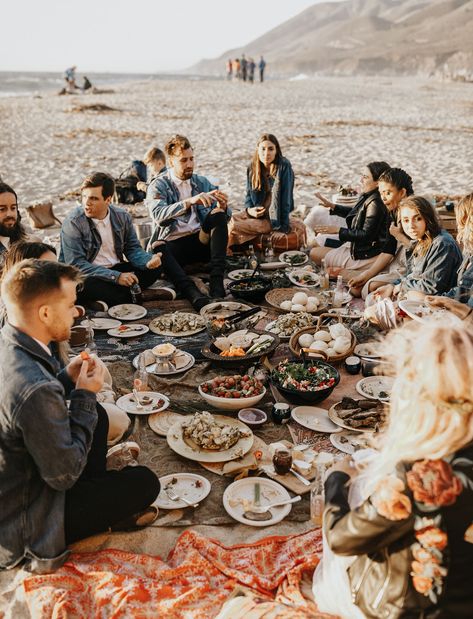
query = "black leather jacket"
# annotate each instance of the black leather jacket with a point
(367, 225)
(381, 576)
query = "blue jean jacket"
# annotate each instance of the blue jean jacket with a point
(43, 450)
(81, 241)
(165, 205)
(284, 201)
(463, 290)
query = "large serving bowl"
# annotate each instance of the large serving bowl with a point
(231, 403)
(296, 395)
(211, 352)
(252, 289)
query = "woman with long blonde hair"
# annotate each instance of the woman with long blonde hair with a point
(412, 537)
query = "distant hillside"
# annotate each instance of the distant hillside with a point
(390, 37)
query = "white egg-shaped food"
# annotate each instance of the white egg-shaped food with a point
(342, 345)
(318, 345)
(305, 340)
(297, 307)
(314, 300)
(311, 307)
(286, 305)
(322, 335)
(331, 352)
(338, 330)
(300, 298)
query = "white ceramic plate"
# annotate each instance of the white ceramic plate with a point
(238, 274)
(295, 275)
(285, 257)
(272, 266)
(346, 312)
(222, 309)
(161, 422)
(314, 418)
(244, 490)
(189, 485)
(367, 350)
(127, 311)
(134, 330)
(177, 443)
(372, 386)
(347, 441)
(127, 403)
(416, 310)
(164, 369)
(155, 327)
(101, 324)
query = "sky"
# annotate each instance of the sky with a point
(138, 36)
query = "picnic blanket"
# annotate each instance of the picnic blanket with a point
(199, 575)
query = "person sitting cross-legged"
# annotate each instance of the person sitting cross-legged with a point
(189, 213)
(97, 238)
(54, 484)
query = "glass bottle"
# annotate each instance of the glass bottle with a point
(136, 294)
(317, 497)
(338, 293)
(140, 380)
(252, 259)
(90, 344)
(324, 278)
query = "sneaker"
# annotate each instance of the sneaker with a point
(137, 521)
(122, 455)
(97, 306)
(159, 294)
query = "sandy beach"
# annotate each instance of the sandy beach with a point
(328, 128)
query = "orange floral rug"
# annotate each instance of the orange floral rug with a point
(198, 577)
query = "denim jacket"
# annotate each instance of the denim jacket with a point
(463, 291)
(165, 205)
(81, 241)
(283, 203)
(436, 272)
(43, 450)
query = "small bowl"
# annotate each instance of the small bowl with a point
(164, 351)
(253, 295)
(79, 336)
(231, 404)
(252, 416)
(353, 364)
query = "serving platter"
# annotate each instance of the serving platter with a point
(334, 416)
(157, 327)
(314, 418)
(297, 274)
(373, 387)
(192, 451)
(289, 258)
(127, 311)
(161, 422)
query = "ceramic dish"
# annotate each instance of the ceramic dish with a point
(127, 311)
(314, 418)
(294, 258)
(304, 279)
(159, 402)
(222, 309)
(101, 324)
(133, 330)
(417, 310)
(344, 422)
(348, 441)
(191, 451)
(238, 274)
(239, 498)
(181, 362)
(192, 487)
(346, 312)
(177, 324)
(375, 387)
(230, 404)
(252, 416)
(272, 266)
(161, 422)
(367, 351)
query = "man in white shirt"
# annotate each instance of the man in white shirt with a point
(97, 237)
(189, 213)
(11, 229)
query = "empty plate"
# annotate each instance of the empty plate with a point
(314, 418)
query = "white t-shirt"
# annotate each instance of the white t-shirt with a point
(5, 241)
(107, 256)
(184, 228)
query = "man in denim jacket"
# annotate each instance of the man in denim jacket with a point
(54, 486)
(98, 236)
(189, 213)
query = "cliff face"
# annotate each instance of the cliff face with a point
(388, 37)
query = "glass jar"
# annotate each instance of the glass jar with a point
(140, 379)
(282, 461)
(317, 497)
(281, 413)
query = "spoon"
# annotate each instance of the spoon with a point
(262, 512)
(139, 406)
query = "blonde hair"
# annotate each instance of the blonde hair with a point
(464, 216)
(431, 408)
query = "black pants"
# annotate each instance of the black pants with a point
(100, 499)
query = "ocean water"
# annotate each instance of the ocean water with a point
(24, 83)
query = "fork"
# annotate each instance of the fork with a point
(172, 494)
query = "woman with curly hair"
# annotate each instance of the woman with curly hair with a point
(411, 537)
(269, 195)
(434, 257)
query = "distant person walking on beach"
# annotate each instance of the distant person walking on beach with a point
(70, 77)
(229, 67)
(261, 66)
(244, 67)
(236, 69)
(251, 70)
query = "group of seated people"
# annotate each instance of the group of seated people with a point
(55, 484)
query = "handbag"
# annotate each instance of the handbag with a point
(42, 215)
(294, 239)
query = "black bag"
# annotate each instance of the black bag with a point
(126, 191)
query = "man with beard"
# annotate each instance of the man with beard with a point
(189, 213)
(11, 229)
